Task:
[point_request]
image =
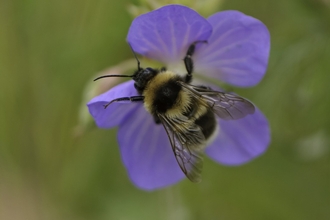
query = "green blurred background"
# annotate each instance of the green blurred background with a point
(50, 49)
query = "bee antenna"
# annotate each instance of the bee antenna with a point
(138, 61)
(105, 76)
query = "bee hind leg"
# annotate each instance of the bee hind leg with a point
(188, 61)
(132, 99)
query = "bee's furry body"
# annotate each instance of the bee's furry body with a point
(164, 95)
(187, 112)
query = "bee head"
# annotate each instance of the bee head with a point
(143, 76)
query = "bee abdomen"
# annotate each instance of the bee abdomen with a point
(208, 123)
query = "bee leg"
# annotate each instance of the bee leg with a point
(188, 62)
(132, 99)
(163, 69)
(156, 119)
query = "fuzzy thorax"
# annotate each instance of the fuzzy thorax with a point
(164, 95)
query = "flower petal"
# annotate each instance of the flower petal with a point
(166, 33)
(239, 141)
(147, 153)
(237, 51)
(115, 113)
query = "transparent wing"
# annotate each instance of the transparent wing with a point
(186, 145)
(226, 105)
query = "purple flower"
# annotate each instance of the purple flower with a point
(236, 53)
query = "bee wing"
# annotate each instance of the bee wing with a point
(229, 106)
(226, 105)
(184, 145)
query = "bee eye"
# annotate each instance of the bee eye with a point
(149, 70)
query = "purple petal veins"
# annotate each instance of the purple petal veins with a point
(166, 33)
(237, 51)
(239, 141)
(115, 113)
(147, 153)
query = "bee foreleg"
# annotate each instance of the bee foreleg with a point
(132, 99)
(188, 62)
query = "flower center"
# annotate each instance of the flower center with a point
(177, 68)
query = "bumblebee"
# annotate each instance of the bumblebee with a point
(187, 112)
